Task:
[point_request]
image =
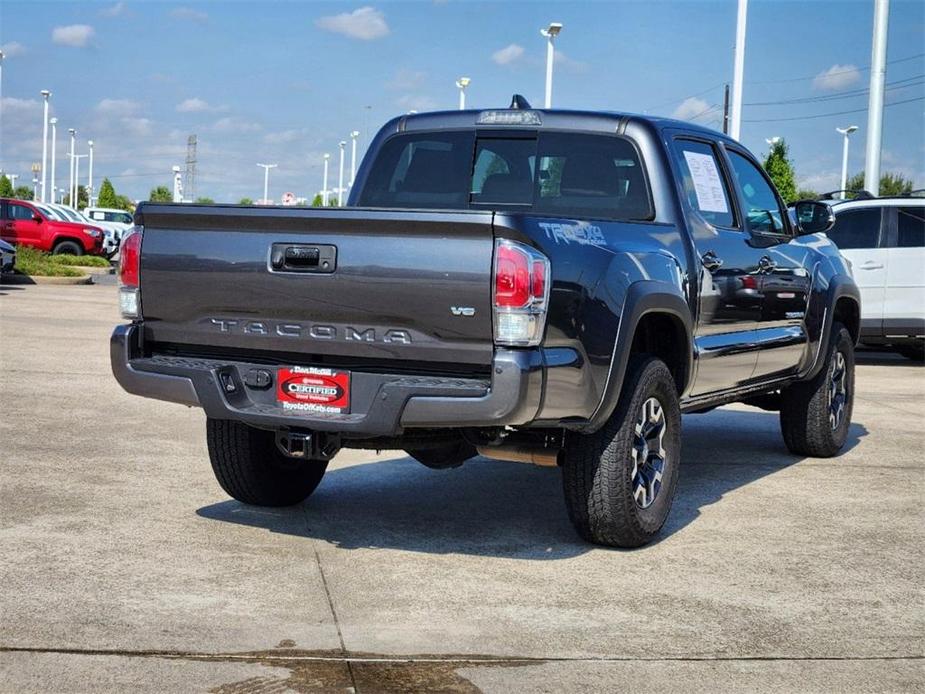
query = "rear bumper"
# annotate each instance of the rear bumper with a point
(382, 404)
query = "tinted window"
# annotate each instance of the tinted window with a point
(856, 228)
(703, 182)
(762, 211)
(562, 174)
(20, 211)
(911, 227)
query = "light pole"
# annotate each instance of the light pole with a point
(70, 183)
(550, 33)
(461, 84)
(45, 94)
(844, 157)
(875, 103)
(324, 182)
(353, 156)
(266, 180)
(13, 178)
(90, 176)
(738, 73)
(54, 144)
(340, 176)
(75, 201)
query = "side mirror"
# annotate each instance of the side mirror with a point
(812, 217)
(36, 217)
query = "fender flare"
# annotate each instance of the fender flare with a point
(642, 298)
(840, 286)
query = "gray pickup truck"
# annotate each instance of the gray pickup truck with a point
(546, 286)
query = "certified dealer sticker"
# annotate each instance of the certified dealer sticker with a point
(310, 389)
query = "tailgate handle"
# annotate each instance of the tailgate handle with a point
(299, 257)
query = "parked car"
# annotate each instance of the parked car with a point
(25, 223)
(112, 233)
(521, 284)
(7, 258)
(884, 238)
(120, 221)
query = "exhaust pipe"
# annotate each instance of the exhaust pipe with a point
(547, 457)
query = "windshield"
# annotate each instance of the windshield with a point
(556, 174)
(68, 214)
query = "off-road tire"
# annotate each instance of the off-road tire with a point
(444, 457)
(597, 470)
(68, 247)
(805, 406)
(912, 350)
(251, 469)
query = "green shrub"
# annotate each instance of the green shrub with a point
(80, 260)
(31, 261)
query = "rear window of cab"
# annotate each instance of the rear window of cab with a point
(571, 175)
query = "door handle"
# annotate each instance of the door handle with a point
(871, 265)
(710, 261)
(765, 263)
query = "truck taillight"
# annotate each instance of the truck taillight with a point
(521, 294)
(129, 267)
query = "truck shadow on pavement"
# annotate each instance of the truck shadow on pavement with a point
(511, 510)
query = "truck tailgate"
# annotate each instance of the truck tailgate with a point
(399, 285)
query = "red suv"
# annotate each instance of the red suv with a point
(23, 223)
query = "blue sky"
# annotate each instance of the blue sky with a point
(283, 82)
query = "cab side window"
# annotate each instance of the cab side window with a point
(911, 227)
(763, 214)
(20, 211)
(856, 228)
(703, 182)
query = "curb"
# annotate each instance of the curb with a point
(37, 279)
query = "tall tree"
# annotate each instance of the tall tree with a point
(23, 193)
(124, 202)
(890, 184)
(779, 168)
(161, 194)
(317, 201)
(107, 196)
(82, 198)
(6, 188)
(246, 201)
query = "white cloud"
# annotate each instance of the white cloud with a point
(113, 10)
(691, 108)
(139, 127)
(569, 64)
(412, 102)
(366, 23)
(197, 105)
(230, 125)
(12, 49)
(117, 107)
(837, 77)
(405, 80)
(283, 137)
(508, 54)
(189, 14)
(74, 35)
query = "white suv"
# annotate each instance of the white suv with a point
(884, 238)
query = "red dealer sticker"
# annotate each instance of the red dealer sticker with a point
(308, 389)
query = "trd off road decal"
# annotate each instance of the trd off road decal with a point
(313, 390)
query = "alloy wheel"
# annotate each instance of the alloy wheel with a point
(649, 454)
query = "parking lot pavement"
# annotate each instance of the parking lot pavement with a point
(124, 566)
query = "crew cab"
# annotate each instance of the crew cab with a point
(26, 224)
(546, 286)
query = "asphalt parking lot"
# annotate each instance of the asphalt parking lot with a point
(123, 566)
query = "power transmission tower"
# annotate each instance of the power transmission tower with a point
(190, 183)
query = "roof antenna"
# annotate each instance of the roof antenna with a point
(518, 102)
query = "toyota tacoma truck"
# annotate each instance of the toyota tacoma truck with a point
(544, 286)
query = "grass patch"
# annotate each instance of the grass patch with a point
(33, 262)
(80, 260)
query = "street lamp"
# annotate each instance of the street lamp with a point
(353, 156)
(75, 201)
(54, 144)
(45, 94)
(340, 176)
(550, 33)
(461, 84)
(70, 183)
(324, 182)
(844, 157)
(90, 176)
(266, 180)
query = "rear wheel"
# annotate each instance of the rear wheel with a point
(620, 481)
(444, 457)
(68, 247)
(912, 350)
(251, 469)
(815, 415)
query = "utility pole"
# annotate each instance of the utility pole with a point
(340, 176)
(54, 146)
(550, 33)
(266, 181)
(844, 157)
(461, 84)
(875, 104)
(70, 154)
(738, 76)
(75, 201)
(726, 109)
(191, 167)
(353, 156)
(45, 94)
(90, 176)
(324, 183)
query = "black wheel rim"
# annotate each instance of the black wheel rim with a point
(649, 454)
(838, 391)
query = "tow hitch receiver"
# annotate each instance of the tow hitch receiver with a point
(314, 445)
